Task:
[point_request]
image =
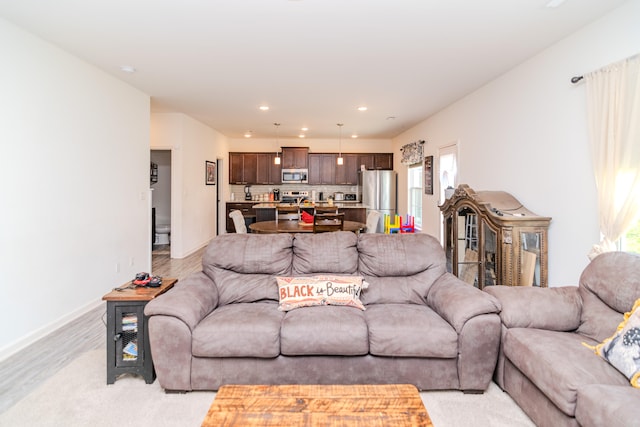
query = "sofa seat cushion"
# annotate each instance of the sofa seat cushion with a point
(608, 405)
(324, 330)
(409, 330)
(558, 364)
(239, 330)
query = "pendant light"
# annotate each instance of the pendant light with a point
(276, 160)
(340, 160)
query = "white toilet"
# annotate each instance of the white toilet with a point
(162, 234)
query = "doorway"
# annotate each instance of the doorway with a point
(161, 202)
(220, 208)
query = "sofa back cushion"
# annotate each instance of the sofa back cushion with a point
(330, 253)
(400, 268)
(609, 285)
(244, 266)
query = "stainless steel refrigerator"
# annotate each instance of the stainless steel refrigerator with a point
(379, 193)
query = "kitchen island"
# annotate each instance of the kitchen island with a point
(353, 211)
(292, 226)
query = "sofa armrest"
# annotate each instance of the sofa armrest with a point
(190, 300)
(457, 302)
(555, 309)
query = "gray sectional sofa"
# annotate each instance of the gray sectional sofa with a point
(421, 325)
(543, 363)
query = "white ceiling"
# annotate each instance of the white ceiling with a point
(312, 61)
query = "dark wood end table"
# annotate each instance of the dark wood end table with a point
(128, 349)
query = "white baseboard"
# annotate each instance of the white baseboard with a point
(193, 250)
(24, 342)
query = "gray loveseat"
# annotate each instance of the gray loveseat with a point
(421, 325)
(543, 364)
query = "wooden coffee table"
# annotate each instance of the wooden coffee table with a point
(317, 405)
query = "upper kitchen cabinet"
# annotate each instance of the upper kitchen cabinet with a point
(383, 161)
(376, 161)
(347, 173)
(243, 168)
(322, 168)
(295, 157)
(267, 172)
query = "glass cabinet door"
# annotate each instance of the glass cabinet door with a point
(468, 260)
(530, 250)
(449, 244)
(490, 257)
(128, 339)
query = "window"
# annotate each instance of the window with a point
(415, 194)
(630, 242)
(447, 169)
(447, 175)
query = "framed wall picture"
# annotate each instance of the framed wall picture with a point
(210, 172)
(428, 175)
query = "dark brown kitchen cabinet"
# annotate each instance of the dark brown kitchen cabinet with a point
(295, 157)
(354, 214)
(366, 160)
(248, 213)
(347, 173)
(243, 168)
(383, 161)
(376, 161)
(266, 171)
(236, 168)
(322, 168)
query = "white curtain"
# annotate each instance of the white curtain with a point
(613, 106)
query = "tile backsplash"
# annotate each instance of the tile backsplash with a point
(327, 190)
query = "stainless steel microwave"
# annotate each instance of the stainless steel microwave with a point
(295, 176)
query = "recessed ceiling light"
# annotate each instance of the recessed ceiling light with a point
(127, 69)
(302, 135)
(363, 108)
(264, 107)
(247, 134)
(354, 136)
(304, 129)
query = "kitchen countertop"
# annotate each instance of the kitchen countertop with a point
(344, 205)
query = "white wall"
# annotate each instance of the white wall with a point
(316, 145)
(526, 133)
(193, 215)
(74, 176)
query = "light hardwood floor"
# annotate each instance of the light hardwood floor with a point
(23, 372)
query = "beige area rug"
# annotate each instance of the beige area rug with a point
(79, 396)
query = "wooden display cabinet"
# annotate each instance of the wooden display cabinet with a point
(491, 239)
